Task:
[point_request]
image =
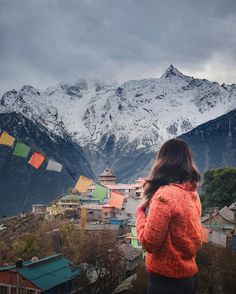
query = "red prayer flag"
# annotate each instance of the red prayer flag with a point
(36, 160)
(116, 199)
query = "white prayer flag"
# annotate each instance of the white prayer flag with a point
(218, 238)
(54, 166)
(131, 206)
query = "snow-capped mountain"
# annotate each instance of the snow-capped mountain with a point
(142, 112)
(88, 126)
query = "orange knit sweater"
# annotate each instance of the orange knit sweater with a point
(171, 232)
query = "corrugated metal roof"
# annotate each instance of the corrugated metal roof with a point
(129, 252)
(6, 267)
(50, 273)
(227, 214)
(47, 273)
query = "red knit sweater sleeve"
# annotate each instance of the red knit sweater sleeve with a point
(152, 229)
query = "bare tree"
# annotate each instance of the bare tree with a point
(103, 263)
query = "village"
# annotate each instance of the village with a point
(114, 215)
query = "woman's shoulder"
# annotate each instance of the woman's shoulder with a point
(164, 193)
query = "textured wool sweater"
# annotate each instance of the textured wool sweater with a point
(171, 232)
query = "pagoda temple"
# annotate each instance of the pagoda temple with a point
(107, 177)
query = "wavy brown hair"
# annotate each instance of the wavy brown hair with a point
(173, 164)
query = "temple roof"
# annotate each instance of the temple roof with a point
(107, 172)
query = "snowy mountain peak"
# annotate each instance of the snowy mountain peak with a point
(172, 72)
(143, 112)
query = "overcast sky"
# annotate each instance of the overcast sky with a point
(43, 42)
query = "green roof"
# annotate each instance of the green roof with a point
(71, 197)
(47, 273)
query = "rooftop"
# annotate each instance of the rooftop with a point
(70, 197)
(101, 227)
(129, 252)
(48, 272)
(117, 186)
(92, 206)
(107, 172)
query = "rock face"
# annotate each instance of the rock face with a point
(88, 126)
(214, 143)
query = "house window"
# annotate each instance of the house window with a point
(3, 290)
(13, 290)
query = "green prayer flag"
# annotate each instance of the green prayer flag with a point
(21, 150)
(99, 192)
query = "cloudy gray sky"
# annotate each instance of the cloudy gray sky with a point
(45, 41)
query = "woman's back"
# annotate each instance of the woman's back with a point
(173, 231)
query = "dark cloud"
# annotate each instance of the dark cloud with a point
(44, 42)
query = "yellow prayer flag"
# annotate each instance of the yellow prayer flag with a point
(6, 139)
(82, 184)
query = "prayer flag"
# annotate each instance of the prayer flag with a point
(21, 150)
(131, 206)
(82, 184)
(36, 160)
(205, 235)
(6, 139)
(54, 166)
(116, 199)
(219, 238)
(99, 192)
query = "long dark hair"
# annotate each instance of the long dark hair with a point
(173, 164)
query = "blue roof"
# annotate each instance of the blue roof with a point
(47, 273)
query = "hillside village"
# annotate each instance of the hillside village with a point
(94, 217)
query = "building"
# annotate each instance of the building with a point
(222, 220)
(128, 190)
(107, 177)
(119, 220)
(52, 274)
(133, 257)
(69, 202)
(94, 212)
(108, 212)
(39, 208)
(133, 235)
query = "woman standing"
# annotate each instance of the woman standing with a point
(171, 231)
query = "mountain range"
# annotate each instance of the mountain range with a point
(91, 125)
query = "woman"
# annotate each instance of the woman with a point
(171, 230)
